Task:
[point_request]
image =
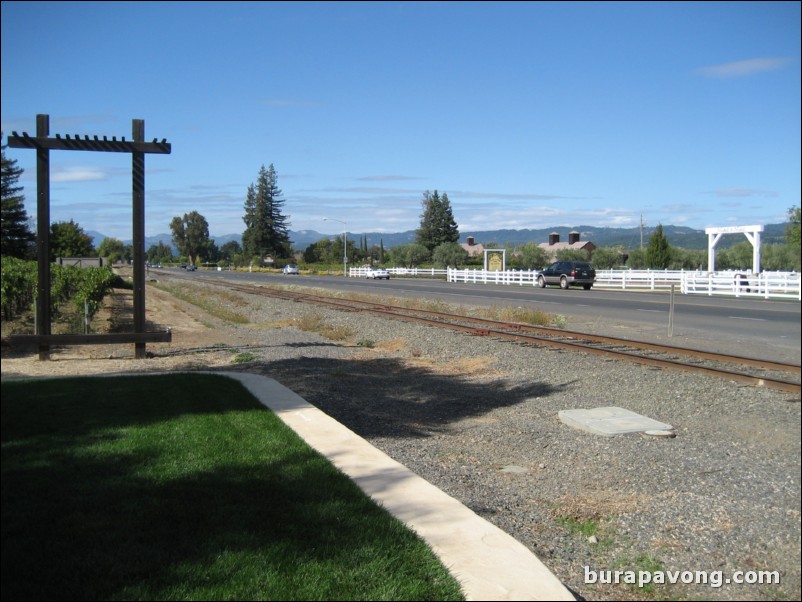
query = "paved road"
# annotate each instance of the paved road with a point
(750, 327)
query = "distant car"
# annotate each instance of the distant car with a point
(291, 268)
(567, 274)
(377, 273)
(191, 268)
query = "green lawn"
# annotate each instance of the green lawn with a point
(185, 487)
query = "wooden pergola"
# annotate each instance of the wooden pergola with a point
(137, 147)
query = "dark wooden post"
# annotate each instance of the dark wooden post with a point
(138, 179)
(43, 320)
(43, 144)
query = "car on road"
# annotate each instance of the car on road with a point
(379, 273)
(568, 274)
(291, 268)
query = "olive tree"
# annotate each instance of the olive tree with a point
(190, 235)
(410, 255)
(449, 254)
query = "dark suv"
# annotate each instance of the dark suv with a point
(568, 273)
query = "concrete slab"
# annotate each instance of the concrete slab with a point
(611, 421)
(489, 563)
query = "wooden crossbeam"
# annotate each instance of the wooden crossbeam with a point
(89, 144)
(165, 336)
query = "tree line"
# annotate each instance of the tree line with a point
(266, 238)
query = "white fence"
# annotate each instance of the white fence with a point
(431, 272)
(766, 285)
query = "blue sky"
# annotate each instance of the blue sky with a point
(528, 115)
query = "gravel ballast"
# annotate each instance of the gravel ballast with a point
(478, 418)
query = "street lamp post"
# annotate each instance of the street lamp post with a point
(345, 241)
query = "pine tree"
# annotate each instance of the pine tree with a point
(266, 228)
(437, 224)
(16, 236)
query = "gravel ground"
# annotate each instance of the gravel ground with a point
(478, 418)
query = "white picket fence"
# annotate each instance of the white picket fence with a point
(766, 285)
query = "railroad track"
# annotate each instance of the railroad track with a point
(751, 371)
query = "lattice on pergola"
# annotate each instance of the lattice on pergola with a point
(137, 147)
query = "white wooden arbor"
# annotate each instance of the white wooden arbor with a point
(752, 233)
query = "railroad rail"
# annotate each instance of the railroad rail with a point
(747, 370)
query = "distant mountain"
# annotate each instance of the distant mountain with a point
(166, 239)
(629, 238)
(303, 238)
(221, 240)
(96, 237)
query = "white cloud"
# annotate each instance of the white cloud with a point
(79, 174)
(744, 68)
(744, 192)
(623, 221)
(387, 178)
(503, 196)
(366, 190)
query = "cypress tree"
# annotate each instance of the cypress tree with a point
(658, 253)
(248, 236)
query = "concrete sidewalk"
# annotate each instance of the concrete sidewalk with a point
(488, 563)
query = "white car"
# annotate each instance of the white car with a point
(291, 268)
(377, 273)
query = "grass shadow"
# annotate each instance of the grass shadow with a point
(184, 494)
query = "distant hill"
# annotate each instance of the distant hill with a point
(303, 238)
(629, 238)
(166, 239)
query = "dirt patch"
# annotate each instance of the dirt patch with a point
(198, 340)
(596, 505)
(477, 367)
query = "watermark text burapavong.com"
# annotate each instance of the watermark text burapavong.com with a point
(711, 578)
